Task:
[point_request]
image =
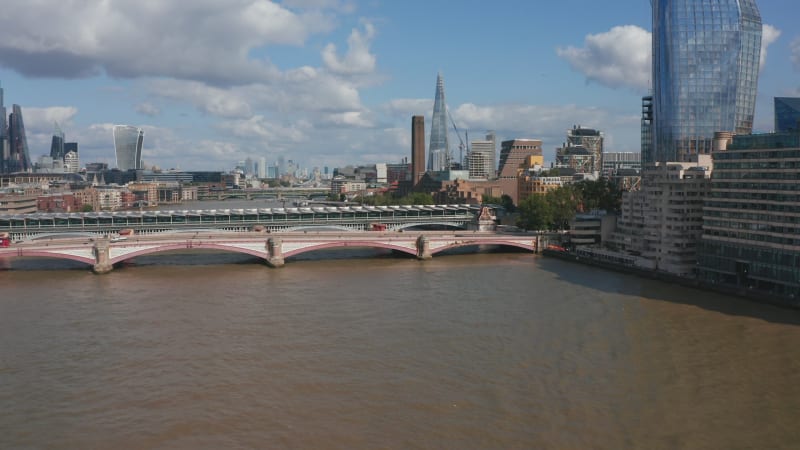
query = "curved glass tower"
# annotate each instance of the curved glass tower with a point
(128, 147)
(439, 156)
(705, 74)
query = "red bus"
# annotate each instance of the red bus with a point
(5, 240)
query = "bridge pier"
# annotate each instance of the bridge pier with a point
(423, 248)
(102, 263)
(275, 251)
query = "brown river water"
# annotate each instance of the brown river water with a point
(361, 349)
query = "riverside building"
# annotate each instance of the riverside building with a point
(751, 219)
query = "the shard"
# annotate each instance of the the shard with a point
(439, 156)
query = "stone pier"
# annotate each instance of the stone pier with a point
(424, 248)
(275, 251)
(101, 255)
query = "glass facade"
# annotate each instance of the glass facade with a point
(19, 159)
(787, 114)
(751, 220)
(705, 74)
(439, 156)
(128, 147)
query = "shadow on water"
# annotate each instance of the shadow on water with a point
(648, 289)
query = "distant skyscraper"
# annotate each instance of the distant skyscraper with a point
(787, 114)
(705, 73)
(4, 148)
(439, 156)
(417, 148)
(57, 151)
(481, 158)
(128, 146)
(19, 157)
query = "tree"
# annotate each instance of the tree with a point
(87, 208)
(564, 202)
(535, 213)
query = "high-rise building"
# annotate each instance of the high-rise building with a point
(19, 159)
(128, 146)
(787, 114)
(589, 139)
(417, 148)
(4, 148)
(57, 151)
(481, 158)
(439, 149)
(705, 74)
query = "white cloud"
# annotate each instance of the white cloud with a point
(769, 35)
(203, 40)
(42, 120)
(148, 109)
(358, 60)
(617, 58)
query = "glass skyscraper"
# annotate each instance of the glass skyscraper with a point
(439, 156)
(19, 157)
(705, 74)
(128, 146)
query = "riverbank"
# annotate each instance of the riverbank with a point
(762, 297)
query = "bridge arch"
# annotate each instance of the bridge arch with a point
(54, 255)
(529, 247)
(183, 246)
(351, 244)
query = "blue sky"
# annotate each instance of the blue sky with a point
(335, 82)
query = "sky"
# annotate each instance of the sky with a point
(335, 82)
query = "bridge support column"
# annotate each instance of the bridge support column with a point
(101, 256)
(423, 248)
(275, 251)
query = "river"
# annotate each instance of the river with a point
(358, 349)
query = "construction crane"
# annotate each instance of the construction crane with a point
(461, 145)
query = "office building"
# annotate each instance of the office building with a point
(482, 157)
(57, 150)
(613, 162)
(439, 149)
(751, 218)
(19, 159)
(582, 150)
(417, 148)
(705, 74)
(5, 155)
(787, 114)
(71, 162)
(128, 147)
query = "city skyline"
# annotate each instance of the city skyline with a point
(335, 84)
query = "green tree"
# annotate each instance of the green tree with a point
(564, 202)
(599, 194)
(535, 213)
(87, 208)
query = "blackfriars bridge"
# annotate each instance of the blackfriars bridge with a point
(103, 253)
(349, 218)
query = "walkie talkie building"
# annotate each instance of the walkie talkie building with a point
(128, 146)
(705, 74)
